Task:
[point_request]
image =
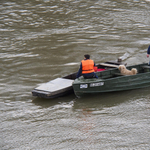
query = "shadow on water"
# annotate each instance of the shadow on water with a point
(110, 99)
(54, 101)
(95, 100)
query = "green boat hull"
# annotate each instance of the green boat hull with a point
(112, 80)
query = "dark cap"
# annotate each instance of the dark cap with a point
(87, 56)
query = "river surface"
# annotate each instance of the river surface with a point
(41, 40)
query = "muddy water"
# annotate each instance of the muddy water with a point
(41, 40)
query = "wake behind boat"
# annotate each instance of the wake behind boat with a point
(112, 80)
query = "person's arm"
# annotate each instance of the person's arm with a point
(148, 51)
(79, 71)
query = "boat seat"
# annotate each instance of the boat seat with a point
(146, 68)
(109, 65)
(118, 74)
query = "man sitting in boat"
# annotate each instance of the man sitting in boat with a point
(87, 68)
(148, 53)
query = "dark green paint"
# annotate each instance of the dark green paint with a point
(114, 81)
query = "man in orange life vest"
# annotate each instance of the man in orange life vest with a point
(148, 53)
(87, 68)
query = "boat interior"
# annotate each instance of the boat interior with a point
(101, 67)
(71, 76)
(114, 72)
(110, 70)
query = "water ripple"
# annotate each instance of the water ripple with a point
(42, 40)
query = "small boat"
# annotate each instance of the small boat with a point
(112, 80)
(55, 88)
(63, 86)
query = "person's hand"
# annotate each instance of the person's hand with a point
(147, 55)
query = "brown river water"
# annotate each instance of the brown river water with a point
(41, 40)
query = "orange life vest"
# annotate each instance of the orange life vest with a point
(87, 66)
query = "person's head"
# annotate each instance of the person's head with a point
(87, 56)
